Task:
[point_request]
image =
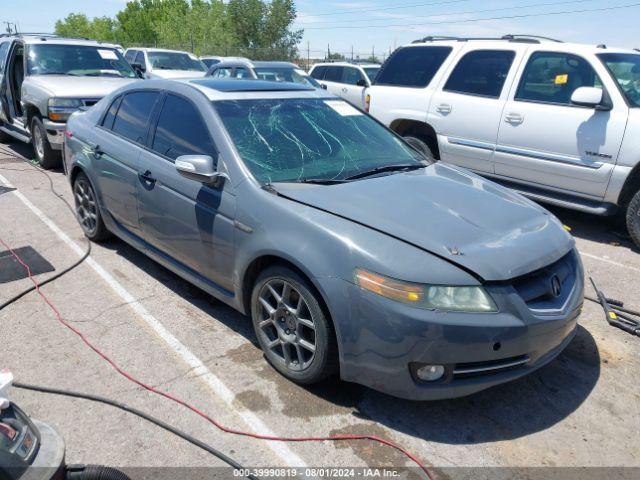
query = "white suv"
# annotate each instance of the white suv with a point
(162, 63)
(558, 122)
(346, 80)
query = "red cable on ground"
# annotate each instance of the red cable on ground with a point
(195, 409)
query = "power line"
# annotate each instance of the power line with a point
(467, 12)
(469, 20)
(364, 10)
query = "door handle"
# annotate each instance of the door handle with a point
(344, 90)
(444, 108)
(147, 178)
(514, 118)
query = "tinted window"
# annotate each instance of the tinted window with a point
(166, 60)
(552, 77)
(412, 66)
(181, 130)
(371, 72)
(351, 75)
(482, 72)
(318, 72)
(140, 59)
(242, 72)
(107, 122)
(129, 55)
(133, 115)
(333, 74)
(210, 61)
(625, 68)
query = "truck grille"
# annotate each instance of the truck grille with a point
(548, 288)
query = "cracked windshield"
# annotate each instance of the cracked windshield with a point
(298, 140)
(77, 60)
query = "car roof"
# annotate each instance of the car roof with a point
(533, 41)
(32, 38)
(252, 64)
(345, 64)
(159, 50)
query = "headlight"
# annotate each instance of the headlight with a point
(439, 297)
(61, 108)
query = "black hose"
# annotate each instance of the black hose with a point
(93, 472)
(135, 411)
(62, 272)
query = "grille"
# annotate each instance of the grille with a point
(537, 288)
(476, 369)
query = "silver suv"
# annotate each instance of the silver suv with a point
(45, 78)
(556, 121)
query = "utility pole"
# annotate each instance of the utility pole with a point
(352, 53)
(373, 53)
(328, 52)
(308, 56)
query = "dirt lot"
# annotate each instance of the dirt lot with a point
(581, 410)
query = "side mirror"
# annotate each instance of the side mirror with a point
(139, 69)
(361, 82)
(588, 97)
(199, 168)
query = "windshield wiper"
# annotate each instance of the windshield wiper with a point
(58, 73)
(315, 181)
(387, 168)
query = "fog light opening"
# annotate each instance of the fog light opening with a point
(430, 373)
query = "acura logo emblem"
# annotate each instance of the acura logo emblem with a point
(555, 286)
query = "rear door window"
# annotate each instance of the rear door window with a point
(132, 119)
(224, 72)
(107, 121)
(552, 77)
(481, 72)
(351, 76)
(333, 74)
(181, 130)
(412, 66)
(318, 72)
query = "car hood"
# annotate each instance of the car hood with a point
(474, 223)
(77, 87)
(176, 74)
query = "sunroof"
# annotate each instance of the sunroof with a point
(244, 85)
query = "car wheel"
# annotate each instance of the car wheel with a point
(87, 211)
(633, 218)
(421, 146)
(293, 331)
(47, 157)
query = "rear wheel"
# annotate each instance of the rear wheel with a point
(633, 218)
(421, 146)
(87, 211)
(295, 335)
(47, 157)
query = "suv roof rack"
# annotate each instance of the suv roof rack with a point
(509, 38)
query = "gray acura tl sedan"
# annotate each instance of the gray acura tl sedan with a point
(350, 252)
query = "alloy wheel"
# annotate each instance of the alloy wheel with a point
(86, 208)
(286, 321)
(38, 143)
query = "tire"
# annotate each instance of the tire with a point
(633, 218)
(87, 209)
(46, 156)
(421, 146)
(288, 325)
(5, 137)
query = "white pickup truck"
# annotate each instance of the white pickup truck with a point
(558, 122)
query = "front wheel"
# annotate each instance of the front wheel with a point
(87, 210)
(633, 218)
(294, 333)
(47, 157)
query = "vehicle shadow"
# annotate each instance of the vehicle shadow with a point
(23, 152)
(508, 411)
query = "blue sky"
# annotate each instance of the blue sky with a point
(382, 24)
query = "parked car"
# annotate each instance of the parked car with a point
(555, 121)
(350, 252)
(271, 71)
(45, 78)
(210, 60)
(345, 79)
(161, 63)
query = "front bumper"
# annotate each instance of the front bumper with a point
(381, 341)
(55, 133)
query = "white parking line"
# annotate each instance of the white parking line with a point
(611, 262)
(196, 366)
